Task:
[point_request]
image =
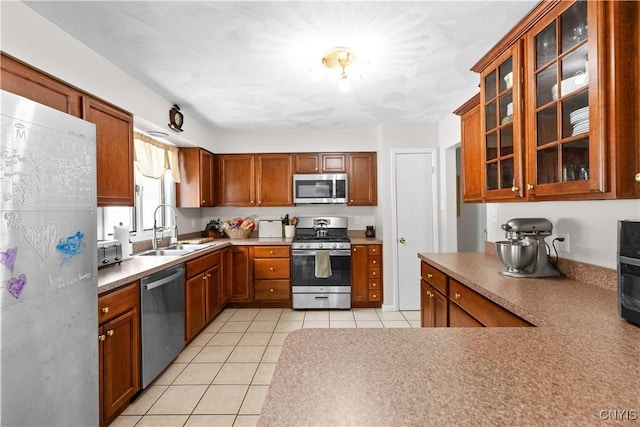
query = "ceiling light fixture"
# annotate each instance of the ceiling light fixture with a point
(339, 58)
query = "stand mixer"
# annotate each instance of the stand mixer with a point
(524, 253)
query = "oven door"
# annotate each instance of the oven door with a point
(304, 278)
(629, 289)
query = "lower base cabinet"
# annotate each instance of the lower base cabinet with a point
(118, 350)
(446, 302)
(366, 276)
(202, 293)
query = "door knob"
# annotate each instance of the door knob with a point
(638, 177)
(402, 240)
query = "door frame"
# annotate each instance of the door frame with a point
(394, 214)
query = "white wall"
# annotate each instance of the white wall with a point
(592, 225)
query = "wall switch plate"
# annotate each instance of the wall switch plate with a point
(493, 214)
(566, 245)
(356, 220)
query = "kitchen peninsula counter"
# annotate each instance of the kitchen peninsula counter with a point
(579, 366)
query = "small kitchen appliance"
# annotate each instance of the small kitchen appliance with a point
(629, 270)
(524, 253)
(321, 259)
(320, 188)
(109, 252)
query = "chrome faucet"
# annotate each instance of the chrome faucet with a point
(174, 229)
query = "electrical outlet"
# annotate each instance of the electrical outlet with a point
(356, 220)
(493, 214)
(564, 246)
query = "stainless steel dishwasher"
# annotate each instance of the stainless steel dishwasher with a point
(162, 302)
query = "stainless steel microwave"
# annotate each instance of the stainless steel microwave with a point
(320, 188)
(629, 270)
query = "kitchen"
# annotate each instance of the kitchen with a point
(592, 224)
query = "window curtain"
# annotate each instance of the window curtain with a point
(153, 158)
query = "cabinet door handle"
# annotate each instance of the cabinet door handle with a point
(374, 262)
(638, 177)
(355, 249)
(101, 337)
(203, 202)
(272, 269)
(105, 309)
(271, 252)
(110, 332)
(530, 187)
(457, 296)
(209, 275)
(271, 290)
(430, 276)
(515, 188)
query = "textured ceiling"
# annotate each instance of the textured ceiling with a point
(246, 65)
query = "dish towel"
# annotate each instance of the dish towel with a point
(323, 265)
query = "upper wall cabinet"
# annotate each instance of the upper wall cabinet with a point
(471, 146)
(559, 105)
(114, 127)
(114, 152)
(196, 187)
(255, 180)
(362, 179)
(319, 163)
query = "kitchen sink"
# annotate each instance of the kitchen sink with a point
(176, 250)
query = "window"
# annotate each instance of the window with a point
(150, 193)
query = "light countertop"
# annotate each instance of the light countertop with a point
(579, 366)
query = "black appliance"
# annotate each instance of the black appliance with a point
(321, 258)
(629, 270)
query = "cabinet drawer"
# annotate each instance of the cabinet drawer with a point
(482, 309)
(117, 302)
(271, 252)
(272, 290)
(199, 265)
(436, 278)
(276, 268)
(374, 272)
(374, 284)
(374, 250)
(375, 261)
(374, 295)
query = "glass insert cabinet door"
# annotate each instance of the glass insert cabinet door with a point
(559, 148)
(501, 123)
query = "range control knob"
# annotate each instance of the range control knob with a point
(320, 246)
(335, 245)
(307, 245)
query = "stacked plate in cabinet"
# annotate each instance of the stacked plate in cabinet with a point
(579, 119)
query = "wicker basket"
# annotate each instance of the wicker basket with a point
(238, 233)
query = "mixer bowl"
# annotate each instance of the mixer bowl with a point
(518, 255)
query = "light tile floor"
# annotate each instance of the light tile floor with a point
(221, 378)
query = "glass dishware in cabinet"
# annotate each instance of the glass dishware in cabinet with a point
(501, 121)
(560, 150)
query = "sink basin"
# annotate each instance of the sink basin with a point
(176, 250)
(167, 252)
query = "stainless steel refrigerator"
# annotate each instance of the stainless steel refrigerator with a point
(48, 273)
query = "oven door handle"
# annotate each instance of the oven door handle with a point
(332, 252)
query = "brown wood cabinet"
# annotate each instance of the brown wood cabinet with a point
(114, 152)
(226, 290)
(480, 308)
(434, 305)
(446, 302)
(572, 133)
(114, 127)
(272, 274)
(366, 275)
(274, 180)
(241, 278)
(472, 170)
(119, 350)
(197, 173)
(255, 180)
(362, 174)
(319, 163)
(202, 292)
(25, 81)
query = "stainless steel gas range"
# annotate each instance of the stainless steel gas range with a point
(321, 254)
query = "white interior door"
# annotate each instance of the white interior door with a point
(415, 219)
